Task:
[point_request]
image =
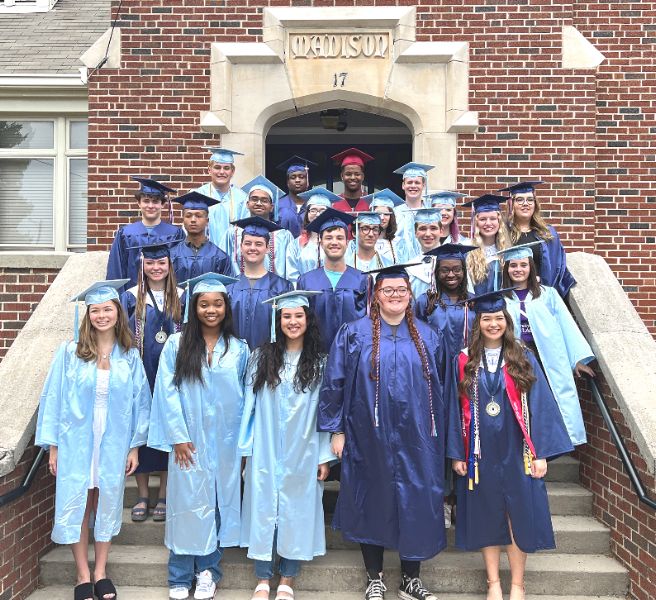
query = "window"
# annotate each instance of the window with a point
(43, 184)
(22, 6)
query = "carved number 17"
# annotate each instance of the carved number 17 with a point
(339, 79)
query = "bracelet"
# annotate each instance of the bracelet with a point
(336, 433)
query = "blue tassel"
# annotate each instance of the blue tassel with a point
(76, 324)
(275, 208)
(187, 303)
(496, 275)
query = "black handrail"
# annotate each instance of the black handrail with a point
(619, 444)
(29, 478)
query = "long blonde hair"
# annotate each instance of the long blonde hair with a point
(87, 345)
(477, 265)
(537, 223)
(172, 306)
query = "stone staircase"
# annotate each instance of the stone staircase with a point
(580, 568)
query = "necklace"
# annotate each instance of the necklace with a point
(493, 382)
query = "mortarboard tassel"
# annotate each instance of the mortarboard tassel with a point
(187, 303)
(275, 208)
(471, 226)
(274, 307)
(496, 275)
(76, 323)
(307, 176)
(170, 210)
(465, 333)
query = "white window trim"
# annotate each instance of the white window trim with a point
(61, 155)
(30, 6)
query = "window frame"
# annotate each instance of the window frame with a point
(61, 154)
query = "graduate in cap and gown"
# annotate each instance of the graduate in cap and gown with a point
(503, 426)
(383, 203)
(415, 185)
(125, 253)
(391, 442)
(262, 202)
(256, 283)
(291, 207)
(93, 417)
(287, 457)
(427, 238)
(304, 253)
(490, 234)
(196, 254)
(196, 414)
(344, 288)
(231, 199)
(442, 306)
(351, 164)
(445, 201)
(528, 225)
(544, 324)
(154, 312)
(362, 253)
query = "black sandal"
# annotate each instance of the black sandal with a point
(138, 515)
(83, 591)
(105, 587)
(159, 512)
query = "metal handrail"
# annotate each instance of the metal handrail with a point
(29, 478)
(619, 444)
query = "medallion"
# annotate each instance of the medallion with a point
(492, 408)
(161, 336)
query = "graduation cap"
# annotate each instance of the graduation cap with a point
(486, 203)
(367, 218)
(223, 155)
(203, 284)
(522, 187)
(450, 251)
(296, 164)
(520, 251)
(268, 187)
(155, 251)
(384, 197)
(413, 169)
(257, 226)
(490, 302)
(331, 218)
(319, 196)
(427, 215)
(96, 293)
(394, 271)
(352, 156)
(152, 187)
(444, 198)
(196, 201)
(293, 299)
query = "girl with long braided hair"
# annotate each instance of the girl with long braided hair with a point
(382, 400)
(503, 426)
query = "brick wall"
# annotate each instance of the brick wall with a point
(21, 291)
(589, 133)
(631, 522)
(25, 527)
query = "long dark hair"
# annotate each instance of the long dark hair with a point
(533, 284)
(270, 356)
(192, 352)
(519, 367)
(435, 297)
(390, 232)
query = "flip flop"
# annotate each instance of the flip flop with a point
(159, 513)
(139, 514)
(286, 590)
(83, 591)
(105, 587)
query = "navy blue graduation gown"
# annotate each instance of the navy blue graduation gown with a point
(504, 490)
(189, 262)
(288, 217)
(553, 271)
(392, 479)
(346, 303)
(252, 319)
(449, 321)
(124, 263)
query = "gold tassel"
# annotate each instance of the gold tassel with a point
(471, 485)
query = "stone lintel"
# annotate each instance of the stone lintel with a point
(243, 52)
(434, 52)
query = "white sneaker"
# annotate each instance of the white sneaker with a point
(205, 586)
(178, 593)
(447, 516)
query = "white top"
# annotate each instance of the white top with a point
(99, 421)
(159, 298)
(492, 358)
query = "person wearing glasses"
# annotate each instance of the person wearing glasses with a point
(527, 225)
(390, 441)
(362, 252)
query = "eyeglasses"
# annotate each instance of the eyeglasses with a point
(259, 200)
(367, 229)
(315, 211)
(401, 292)
(525, 200)
(447, 270)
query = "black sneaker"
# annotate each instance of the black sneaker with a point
(413, 589)
(375, 589)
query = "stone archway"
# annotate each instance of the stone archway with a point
(361, 58)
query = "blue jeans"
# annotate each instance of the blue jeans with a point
(287, 567)
(183, 567)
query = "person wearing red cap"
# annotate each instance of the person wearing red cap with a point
(352, 163)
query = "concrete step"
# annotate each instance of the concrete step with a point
(574, 535)
(341, 571)
(141, 593)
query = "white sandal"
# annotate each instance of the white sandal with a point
(261, 587)
(284, 589)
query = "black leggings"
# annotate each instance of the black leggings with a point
(373, 562)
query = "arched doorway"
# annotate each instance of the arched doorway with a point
(319, 135)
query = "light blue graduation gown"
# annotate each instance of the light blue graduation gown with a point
(279, 435)
(279, 241)
(302, 259)
(208, 415)
(560, 345)
(66, 420)
(405, 231)
(421, 275)
(231, 207)
(377, 262)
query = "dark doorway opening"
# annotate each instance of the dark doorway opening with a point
(318, 136)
